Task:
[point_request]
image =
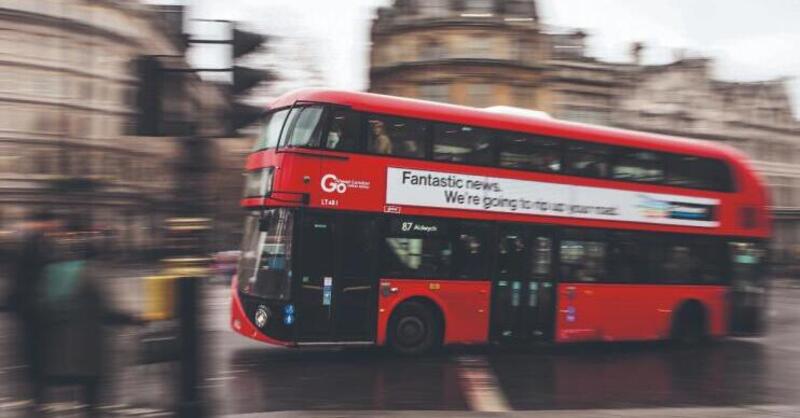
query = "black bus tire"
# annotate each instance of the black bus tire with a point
(414, 329)
(689, 325)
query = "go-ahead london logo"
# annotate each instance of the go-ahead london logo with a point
(331, 183)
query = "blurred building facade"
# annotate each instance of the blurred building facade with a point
(497, 52)
(488, 52)
(68, 110)
(682, 98)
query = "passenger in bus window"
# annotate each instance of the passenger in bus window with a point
(380, 143)
(334, 136)
(409, 147)
(552, 161)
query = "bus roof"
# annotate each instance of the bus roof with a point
(420, 109)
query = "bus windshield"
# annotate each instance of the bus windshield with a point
(265, 268)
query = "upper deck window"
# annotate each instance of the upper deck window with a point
(396, 136)
(462, 144)
(344, 131)
(638, 165)
(698, 173)
(588, 160)
(529, 152)
(271, 130)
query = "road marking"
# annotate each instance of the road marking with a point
(480, 386)
(16, 404)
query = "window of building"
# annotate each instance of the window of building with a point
(638, 165)
(345, 130)
(583, 257)
(437, 92)
(589, 160)
(433, 8)
(479, 6)
(479, 95)
(462, 144)
(432, 49)
(524, 50)
(525, 97)
(480, 47)
(396, 136)
(528, 152)
(592, 116)
(518, 7)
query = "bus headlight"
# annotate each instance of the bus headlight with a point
(262, 316)
(258, 183)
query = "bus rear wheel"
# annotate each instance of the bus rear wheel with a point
(689, 327)
(413, 329)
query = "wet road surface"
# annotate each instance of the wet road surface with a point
(732, 372)
(245, 376)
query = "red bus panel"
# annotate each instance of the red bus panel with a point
(464, 306)
(620, 312)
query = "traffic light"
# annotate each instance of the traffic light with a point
(245, 79)
(148, 96)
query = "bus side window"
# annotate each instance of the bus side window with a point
(712, 255)
(469, 251)
(583, 257)
(528, 152)
(345, 130)
(396, 136)
(463, 144)
(638, 165)
(692, 260)
(588, 160)
(627, 256)
(417, 247)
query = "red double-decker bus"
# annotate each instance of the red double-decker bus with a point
(389, 221)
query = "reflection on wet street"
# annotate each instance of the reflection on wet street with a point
(733, 372)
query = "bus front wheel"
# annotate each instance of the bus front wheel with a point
(414, 329)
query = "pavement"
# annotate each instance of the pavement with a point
(736, 377)
(689, 412)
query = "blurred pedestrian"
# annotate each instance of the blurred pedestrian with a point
(73, 311)
(29, 261)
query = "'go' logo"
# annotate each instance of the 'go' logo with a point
(330, 183)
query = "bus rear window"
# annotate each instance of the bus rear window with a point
(271, 130)
(698, 173)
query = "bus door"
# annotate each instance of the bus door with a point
(356, 287)
(315, 263)
(523, 294)
(337, 290)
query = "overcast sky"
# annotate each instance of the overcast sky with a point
(750, 39)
